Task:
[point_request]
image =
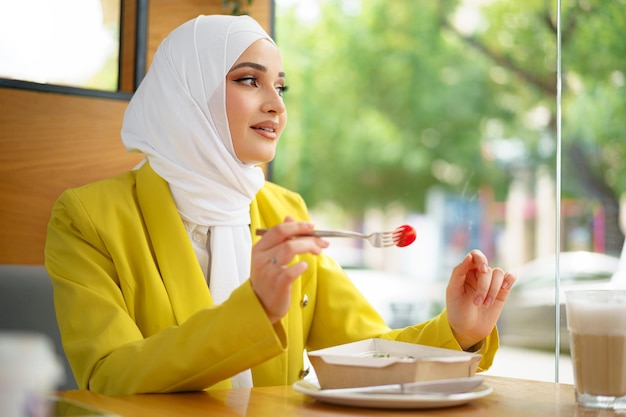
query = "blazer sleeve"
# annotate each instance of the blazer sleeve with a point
(120, 333)
(343, 315)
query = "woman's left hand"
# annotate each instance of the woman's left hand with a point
(475, 297)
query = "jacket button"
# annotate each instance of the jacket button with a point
(305, 301)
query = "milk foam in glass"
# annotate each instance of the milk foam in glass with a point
(596, 321)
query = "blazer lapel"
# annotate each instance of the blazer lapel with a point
(180, 271)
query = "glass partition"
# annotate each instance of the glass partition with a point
(443, 115)
(593, 147)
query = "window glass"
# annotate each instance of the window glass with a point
(443, 115)
(63, 42)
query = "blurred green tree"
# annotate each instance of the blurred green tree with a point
(391, 98)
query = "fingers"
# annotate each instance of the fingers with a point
(286, 230)
(273, 288)
(485, 284)
(490, 286)
(279, 245)
(479, 258)
(498, 287)
(474, 263)
(272, 281)
(507, 284)
(282, 254)
(272, 273)
(488, 280)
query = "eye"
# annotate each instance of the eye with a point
(250, 81)
(282, 89)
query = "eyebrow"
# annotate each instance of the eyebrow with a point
(256, 66)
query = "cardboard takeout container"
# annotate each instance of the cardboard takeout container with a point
(381, 362)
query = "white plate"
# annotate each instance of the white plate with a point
(396, 401)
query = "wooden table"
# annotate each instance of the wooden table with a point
(510, 398)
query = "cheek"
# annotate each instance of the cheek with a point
(236, 104)
(236, 112)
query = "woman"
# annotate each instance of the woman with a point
(160, 282)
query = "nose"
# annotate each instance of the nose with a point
(274, 103)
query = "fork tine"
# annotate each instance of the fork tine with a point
(382, 239)
(388, 242)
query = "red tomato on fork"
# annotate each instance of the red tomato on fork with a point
(404, 235)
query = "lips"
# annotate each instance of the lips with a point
(268, 129)
(268, 126)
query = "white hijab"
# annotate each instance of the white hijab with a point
(177, 118)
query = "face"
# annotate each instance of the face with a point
(254, 102)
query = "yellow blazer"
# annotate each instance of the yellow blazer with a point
(136, 315)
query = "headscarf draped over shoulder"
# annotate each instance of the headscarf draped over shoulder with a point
(177, 118)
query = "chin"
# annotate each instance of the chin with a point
(261, 161)
(257, 156)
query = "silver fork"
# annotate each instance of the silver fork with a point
(376, 239)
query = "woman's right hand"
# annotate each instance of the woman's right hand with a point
(271, 275)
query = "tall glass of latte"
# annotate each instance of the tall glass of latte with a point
(596, 321)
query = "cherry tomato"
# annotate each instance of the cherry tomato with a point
(404, 235)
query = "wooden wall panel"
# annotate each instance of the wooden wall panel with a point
(50, 142)
(166, 15)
